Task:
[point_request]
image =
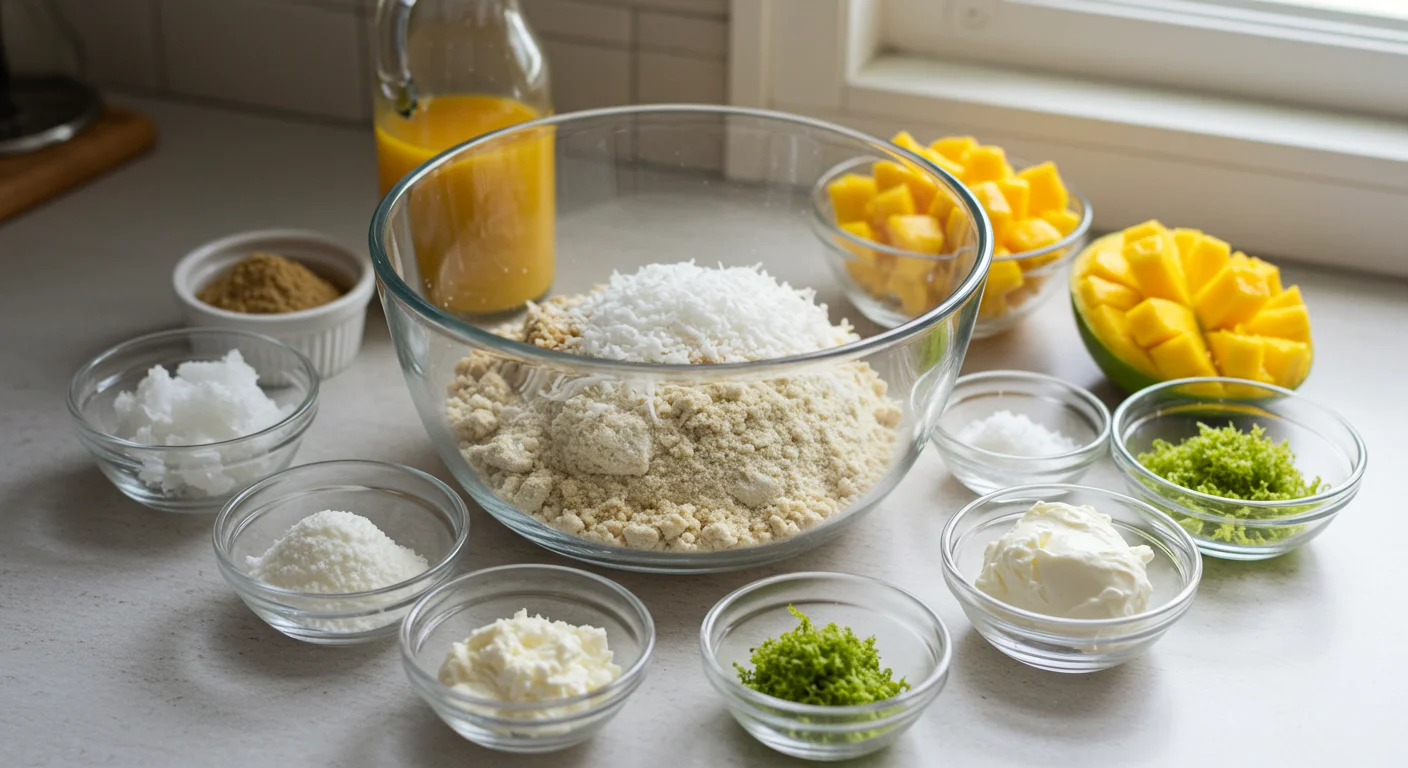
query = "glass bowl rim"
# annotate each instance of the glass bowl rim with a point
(918, 692)
(1131, 468)
(459, 513)
(467, 332)
(627, 682)
(830, 228)
(308, 403)
(1081, 393)
(1170, 610)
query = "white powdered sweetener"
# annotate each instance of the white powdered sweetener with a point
(1013, 434)
(332, 552)
(683, 313)
(530, 659)
(205, 402)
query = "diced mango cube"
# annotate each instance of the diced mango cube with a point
(888, 174)
(1237, 356)
(953, 168)
(1018, 193)
(1000, 251)
(957, 231)
(914, 297)
(1111, 265)
(992, 305)
(895, 201)
(1096, 290)
(1155, 321)
(1144, 229)
(1048, 192)
(1207, 257)
(863, 231)
(919, 233)
(1233, 296)
(1065, 222)
(990, 197)
(849, 196)
(1154, 263)
(868, 277)
(1182, 356)
(940, 207)
(903, 139)
(986, 163)
(1286, 361)
(1269, 272)
(1004, 277)
(1112, 328)
(1288, 298)
(1031, 234)
(1285, 323)
(955, 148)
(1185, 240)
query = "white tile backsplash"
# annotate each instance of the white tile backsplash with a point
(690, 35)
(314, 57)
(578, 20)
(587, 76)
(663, 78)
(268, 53)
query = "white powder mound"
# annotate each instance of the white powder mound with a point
(683, 313)
(1014, 434)
(333, 552)
(205, 402)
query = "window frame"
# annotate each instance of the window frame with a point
(1300, 183)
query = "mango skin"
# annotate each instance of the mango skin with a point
(1120, 373)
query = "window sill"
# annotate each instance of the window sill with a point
(1281, 181)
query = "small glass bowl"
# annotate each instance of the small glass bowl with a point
(890, 304)
(451, 612)
(910, 637)
(192, 478)
(414, 509)
(1070, 645)
(1325, 446)
(1051, 402)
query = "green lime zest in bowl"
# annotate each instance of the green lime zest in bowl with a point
(827, 667)
(1232, 464)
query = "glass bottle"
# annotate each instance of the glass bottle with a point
(449, 71)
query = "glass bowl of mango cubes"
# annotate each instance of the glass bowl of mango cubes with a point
(886, 227)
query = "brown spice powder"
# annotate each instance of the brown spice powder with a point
(266, 283)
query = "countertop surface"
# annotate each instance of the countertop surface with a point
(121, 645)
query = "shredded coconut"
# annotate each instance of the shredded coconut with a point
(670, 466)
(1014, 434)
(205, 402)
(333, 552)
(683, 313)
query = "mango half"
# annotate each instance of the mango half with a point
(1153, 304)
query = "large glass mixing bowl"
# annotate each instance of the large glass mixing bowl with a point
(625, 188)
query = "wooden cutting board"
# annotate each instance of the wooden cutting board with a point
(114, 138)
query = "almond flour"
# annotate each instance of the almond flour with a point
(705, 467)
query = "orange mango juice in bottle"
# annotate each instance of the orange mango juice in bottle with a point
(482, 227)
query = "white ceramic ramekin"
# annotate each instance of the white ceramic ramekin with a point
(329, 335)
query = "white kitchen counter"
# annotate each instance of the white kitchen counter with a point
(121, 645)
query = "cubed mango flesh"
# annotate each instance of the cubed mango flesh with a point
(888, 174)
(849, 196)
(986, 163)
(1112, 328)
(1064, 221)
(1154, 321)
(862, 231)
(1096, 290)
(904, 139)
(955, 148)
(941, 207)
(1286, 361)
(1288, 298)
(1018, 193)
(1111, 265)
(1031, 234)
(895, 201)
(918, 233)
(1238, 356)
(1182, 356)
(1154, 262)
(1048, 191)
(1003, 278)
(1284, 323)
(1231, 297)
(953, 168)
(1146, 228)
(1185, 240)
(990, 197)
(1206, 258)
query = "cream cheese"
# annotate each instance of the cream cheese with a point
(1068, 562)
